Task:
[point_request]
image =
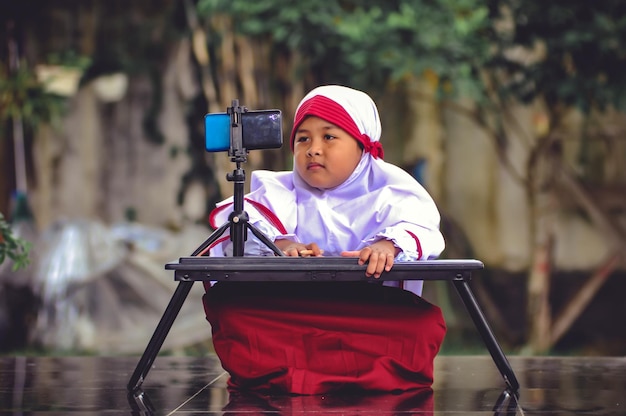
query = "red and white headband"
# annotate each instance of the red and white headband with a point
(351, 110)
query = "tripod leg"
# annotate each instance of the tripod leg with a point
(264, 239)
(462, 287)
(161, 331)
(213, 237)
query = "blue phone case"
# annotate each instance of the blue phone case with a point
(217, 132)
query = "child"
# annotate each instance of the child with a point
(341, 199)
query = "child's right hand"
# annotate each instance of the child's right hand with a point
(379, 257)
(290, 248)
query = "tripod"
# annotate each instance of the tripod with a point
(238, 219)
(237, 223)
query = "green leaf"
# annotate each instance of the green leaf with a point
(14, 248)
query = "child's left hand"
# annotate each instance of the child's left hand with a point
(379, 256)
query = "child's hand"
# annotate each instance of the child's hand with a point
(379, 256)
(293, 249)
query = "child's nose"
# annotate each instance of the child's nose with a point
(315, 148)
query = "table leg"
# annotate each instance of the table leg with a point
(160, 333)
(465, 292)
(140, 403)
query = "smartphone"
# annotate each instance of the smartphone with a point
(262, 129)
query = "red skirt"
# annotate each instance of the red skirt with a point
(318, 337)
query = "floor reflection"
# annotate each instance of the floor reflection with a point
(464, 385)
(418, 402)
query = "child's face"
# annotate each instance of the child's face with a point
(324, 154)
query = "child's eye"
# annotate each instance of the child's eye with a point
(328, 137)
(301, 139)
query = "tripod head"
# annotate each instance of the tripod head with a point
(237, 151)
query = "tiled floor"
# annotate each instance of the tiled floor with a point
(464, 385)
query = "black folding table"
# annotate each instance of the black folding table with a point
(188, 270)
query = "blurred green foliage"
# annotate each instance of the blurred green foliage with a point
(24, 98)
(12, 247)
(585, 53)
(370, 43)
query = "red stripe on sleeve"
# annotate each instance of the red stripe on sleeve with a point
(265, 211)
(417, 243)
(269, 215)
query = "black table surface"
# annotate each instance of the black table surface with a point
(255, 268)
